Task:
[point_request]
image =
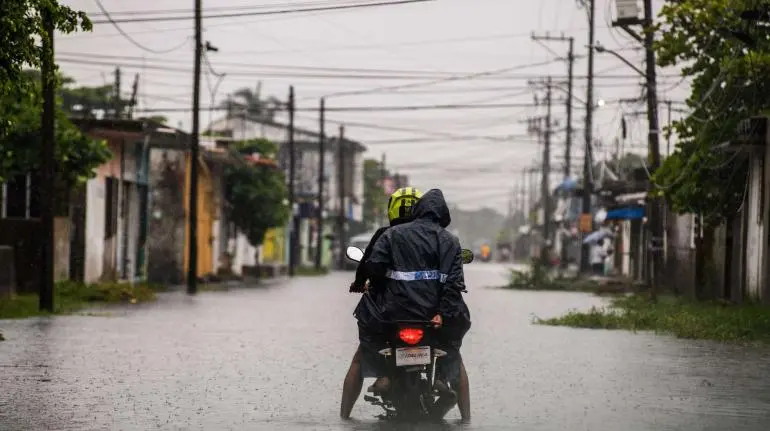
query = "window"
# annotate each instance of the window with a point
(111, 208)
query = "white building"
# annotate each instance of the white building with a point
(307, 163)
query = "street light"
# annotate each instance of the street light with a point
(602, 50)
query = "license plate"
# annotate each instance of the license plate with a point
(406, 356)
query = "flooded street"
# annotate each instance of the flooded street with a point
(273, 358)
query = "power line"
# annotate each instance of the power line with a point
(89, 56)
(392, 108)
(210, 9)
(380, 108)
(131, 39)
(260, 13)
(480, 75)
(443, 140)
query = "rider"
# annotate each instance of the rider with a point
(400, 206)
(423, 267)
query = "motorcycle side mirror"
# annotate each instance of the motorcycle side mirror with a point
(354, 253)
(467, 256)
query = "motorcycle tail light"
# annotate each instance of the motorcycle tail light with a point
(410, 336)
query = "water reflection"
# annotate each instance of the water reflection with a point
(274, 358)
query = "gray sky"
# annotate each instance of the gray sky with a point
(419, 43)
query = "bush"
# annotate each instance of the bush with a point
(714, 320)
(72, 296)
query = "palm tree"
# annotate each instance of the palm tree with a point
(246, 101)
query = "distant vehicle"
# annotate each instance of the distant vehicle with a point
(504, 251)
(485, 252)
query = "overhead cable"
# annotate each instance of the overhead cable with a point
(134, 41)
(189, 16)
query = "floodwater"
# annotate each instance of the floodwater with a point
(273, 358)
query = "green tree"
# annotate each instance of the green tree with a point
(84, 101)
(76, 155)
(374, 194)
(256, 194)
(21, 26)
(251, 103)
(729, 84)
(162, 119)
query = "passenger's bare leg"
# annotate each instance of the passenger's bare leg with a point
(351, 388)
(464, 394)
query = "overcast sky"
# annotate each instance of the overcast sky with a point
(412, 45)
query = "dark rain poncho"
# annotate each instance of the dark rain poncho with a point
(423, 270)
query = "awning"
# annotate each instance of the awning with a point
(626, 213)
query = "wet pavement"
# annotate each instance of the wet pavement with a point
(273, 358)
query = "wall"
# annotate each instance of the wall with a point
(95, 214)
(755, 267)
(206, 213)
(105, 257)
(245, 254)
(7, 271)
(166, 233)
(680, 265)
(61, 253)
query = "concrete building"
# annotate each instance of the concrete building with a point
(307, 159)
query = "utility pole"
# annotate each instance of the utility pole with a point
(656, 243)
(341, 195)
(134, 92)
(294, 230)
(570, 84)
(655, 220)
(48, 171)
(542, 127)
(585, 266)
(192, 267)
(546, 187)
(117, 101)
(525, 196)
(668, 138)
(321, 175)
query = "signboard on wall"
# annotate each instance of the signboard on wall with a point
(586, 223)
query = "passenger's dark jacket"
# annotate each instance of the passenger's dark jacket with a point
(361, 273)
(422, 264)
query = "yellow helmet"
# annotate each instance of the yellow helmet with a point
(402, 202)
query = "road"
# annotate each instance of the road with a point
(273, 358)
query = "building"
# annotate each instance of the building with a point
(109, 219)
(307, 162)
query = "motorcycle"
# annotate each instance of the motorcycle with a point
(412, 356)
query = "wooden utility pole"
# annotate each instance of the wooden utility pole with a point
(294, 231)
(321, 175)
(656, 215)
(134, 92)
(192, 246)
(341, 196)
(117, 101)
(655, 250)
(48, 167)
(546, 187)
(668, 138)
(585, 264)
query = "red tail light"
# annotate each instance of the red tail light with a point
(410, 336)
